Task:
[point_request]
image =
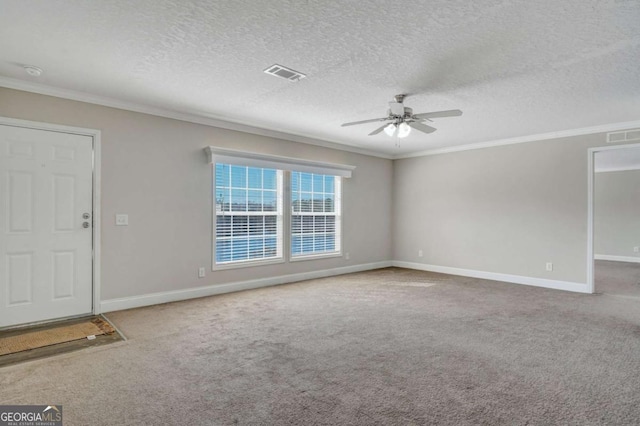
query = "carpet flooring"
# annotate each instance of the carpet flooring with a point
(384, 347)
(617, 278)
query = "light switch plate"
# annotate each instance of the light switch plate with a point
(122, 219)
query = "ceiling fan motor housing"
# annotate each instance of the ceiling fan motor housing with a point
(398, 110)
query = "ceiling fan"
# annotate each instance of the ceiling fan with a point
(402, 119)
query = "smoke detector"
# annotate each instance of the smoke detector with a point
(33, 71)
(284, 72)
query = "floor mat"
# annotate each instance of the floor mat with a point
(31, 339)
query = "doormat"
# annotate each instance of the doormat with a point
(31, 339)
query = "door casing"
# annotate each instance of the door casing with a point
(590, 207)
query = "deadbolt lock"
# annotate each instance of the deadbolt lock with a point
(86, 215)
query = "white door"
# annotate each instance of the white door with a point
(45, 241)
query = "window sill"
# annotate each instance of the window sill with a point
(246, 264)
(314, 256)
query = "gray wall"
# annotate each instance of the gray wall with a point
(507, 209)
(617, 213)
(155, 170)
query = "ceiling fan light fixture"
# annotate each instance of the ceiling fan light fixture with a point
(390, 129)
(403, 130)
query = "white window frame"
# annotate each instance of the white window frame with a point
(285, 164)
(279, 215)
(337, 214)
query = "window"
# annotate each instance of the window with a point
(249, 210)
(315, 214)
(252, 207)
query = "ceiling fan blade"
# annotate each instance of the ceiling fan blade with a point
(421, 127)
(353, 123)
(378, 130)
(439, 114)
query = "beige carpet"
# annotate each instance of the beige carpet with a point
(617, 278)
(28, 340)
(387, 347)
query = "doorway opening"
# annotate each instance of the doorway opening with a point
(613, 231)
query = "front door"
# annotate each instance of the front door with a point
(45, 225)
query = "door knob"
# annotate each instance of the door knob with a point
(85, 224)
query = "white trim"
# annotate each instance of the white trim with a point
(190, 117)
(198, 118)
(249, 263)
(628, 259)
(620, 169)
(590, 185)
(48, 126)
(524, 139)
(494, 276)
(254, 159)
(303, 258)
(97, 220)
(192, 293)
(97, 185)
(591, 152)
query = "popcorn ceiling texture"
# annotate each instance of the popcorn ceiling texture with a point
(515, 68)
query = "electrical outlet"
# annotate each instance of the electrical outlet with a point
(201, 273)
(636, 249)
(549, 266)
(346, 256)
(419, 253)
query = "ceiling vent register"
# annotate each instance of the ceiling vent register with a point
(625, 136)
(284, 72)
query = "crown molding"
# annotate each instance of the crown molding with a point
(524, 139)
(74, 95)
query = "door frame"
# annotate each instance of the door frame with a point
(590, 207)
(96, 185)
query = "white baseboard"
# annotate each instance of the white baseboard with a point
(617, 258)
(192, 293)
(516, 279)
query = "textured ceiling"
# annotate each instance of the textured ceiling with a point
(515, 68)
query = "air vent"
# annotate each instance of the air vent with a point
(626, 136)
(284, 72)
